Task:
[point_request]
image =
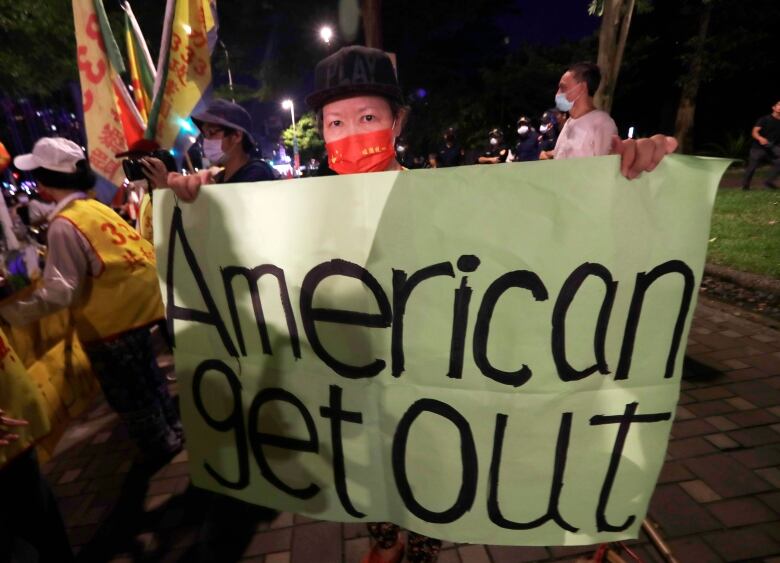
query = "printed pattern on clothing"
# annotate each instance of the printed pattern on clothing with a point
(136, 389)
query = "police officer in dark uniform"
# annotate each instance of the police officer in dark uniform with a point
(548, 131)
(497, 151)
(527, 146)
(451, 152)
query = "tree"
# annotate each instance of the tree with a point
(615, 22)
(310, 143)
(372, 23)
(38, 51)
(683, 125)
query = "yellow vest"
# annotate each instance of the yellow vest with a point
(125, 294)
(145, 227)
(21, 399)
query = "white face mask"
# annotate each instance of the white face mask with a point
(212, 150)
(544, 128)
(522, 130)
(493, 141)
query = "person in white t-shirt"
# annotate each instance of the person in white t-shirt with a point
(592, 132)
(588, 131)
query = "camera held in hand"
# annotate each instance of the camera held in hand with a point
(134, 170)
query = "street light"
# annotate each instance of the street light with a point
(326, 34)
(288, 104)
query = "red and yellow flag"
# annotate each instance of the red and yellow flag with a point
(110, 117)
(103, 122)
(184, 69)
(140, 66)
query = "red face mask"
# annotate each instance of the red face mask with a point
(368, 152)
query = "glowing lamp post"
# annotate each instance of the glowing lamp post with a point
(288, 104)
(326, 34)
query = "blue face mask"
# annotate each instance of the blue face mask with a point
(563, 103)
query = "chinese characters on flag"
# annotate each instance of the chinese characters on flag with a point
(102, 118)
(187, 72)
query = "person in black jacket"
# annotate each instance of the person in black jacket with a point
(548, 131)
(527, 146)
(451, 152)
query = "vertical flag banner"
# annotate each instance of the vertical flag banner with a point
(110, 117)
(132, 122)
(139, 62)
(184, 71)
(102, 120)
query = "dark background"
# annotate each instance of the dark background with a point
(471, 64)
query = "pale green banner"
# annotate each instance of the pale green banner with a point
(484, 354)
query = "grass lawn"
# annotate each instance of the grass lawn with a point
(746, 227)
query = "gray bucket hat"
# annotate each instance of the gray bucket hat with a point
(227, 114)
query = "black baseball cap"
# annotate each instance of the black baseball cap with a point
(353, 71)
(227, 114)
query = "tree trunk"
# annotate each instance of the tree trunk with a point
(615, 23)
(372, 23)
(683, 125)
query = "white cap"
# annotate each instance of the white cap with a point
(52, 153)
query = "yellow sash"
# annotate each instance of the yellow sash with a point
(125, 294)
(20, 398)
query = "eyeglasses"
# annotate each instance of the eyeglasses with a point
(211, 131)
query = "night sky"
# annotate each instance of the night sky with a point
(536, 22)
(482, 64)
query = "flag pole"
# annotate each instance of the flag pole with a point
(230, 74)
(137, 30)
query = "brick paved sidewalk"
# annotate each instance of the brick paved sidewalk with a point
(718, 497)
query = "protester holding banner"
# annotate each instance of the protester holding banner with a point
(360, 117)
(227, 142)
(592, 132)
(589, 131)
(360, 111)
(105, 273)
(31, 527)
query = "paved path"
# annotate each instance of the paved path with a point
(718, 497)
